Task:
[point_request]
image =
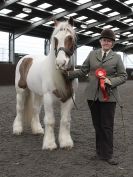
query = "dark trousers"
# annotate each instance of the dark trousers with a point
(103, 121)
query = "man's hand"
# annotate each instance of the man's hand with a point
(67, 74)
(107, 81)
(64, 72)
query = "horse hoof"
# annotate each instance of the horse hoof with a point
(17, 131)
(17, 128)
(66, 142)
(49, 146)
(66, 145)
(67, 148)
(39, 131)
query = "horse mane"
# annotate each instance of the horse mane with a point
(65, 26)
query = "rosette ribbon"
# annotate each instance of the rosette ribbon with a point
(101, 74)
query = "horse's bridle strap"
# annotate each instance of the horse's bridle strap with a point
(68, 52)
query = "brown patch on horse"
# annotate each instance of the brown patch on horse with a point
(68, 93)
(69, 42)
(24, 69)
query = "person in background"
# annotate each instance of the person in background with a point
(102, 104)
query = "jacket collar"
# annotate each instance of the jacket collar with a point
(108, 57)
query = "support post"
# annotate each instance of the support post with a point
(46, 46)
(11, 48)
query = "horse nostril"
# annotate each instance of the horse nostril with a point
(57, 66)
(64, 63)
(60, 65)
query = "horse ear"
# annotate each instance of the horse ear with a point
(71, 21)
(56, 22)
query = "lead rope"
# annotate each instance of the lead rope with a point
(71, 90)
(74, 102)
(123, 123)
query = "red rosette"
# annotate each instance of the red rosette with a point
(101, 73)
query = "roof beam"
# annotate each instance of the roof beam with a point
(5, 4)
(118, 6)
(56, 16)
(110, 19)
(117, 17)
(123, 40)
(129, 28)
(43, 11)
(117, 42)
(127, 47)
(86, 41)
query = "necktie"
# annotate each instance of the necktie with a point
(104, 55)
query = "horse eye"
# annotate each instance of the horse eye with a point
(56, 41)
(70, 38)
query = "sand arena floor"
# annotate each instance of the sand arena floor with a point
(22, 156)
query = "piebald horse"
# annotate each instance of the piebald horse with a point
(39, 80)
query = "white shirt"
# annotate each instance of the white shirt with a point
(105, 52)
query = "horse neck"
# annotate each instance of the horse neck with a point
(56, 74)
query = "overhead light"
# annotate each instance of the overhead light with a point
(5, 11)
(49, 23)
(72, 14)
(83, 1)
(81, 18)
(88, 32)
(83, 26)
(95, 34)
(113, 14)
(130, 35)
(128, 20)
(128, 2)
(58, 10)
(107, 26)
(91, 21)
(126, 33)
(105, 10)
(44, 5)
(35, 19)
(27, 10)
(125, 42)
(117, 36)
(28, 2)
(21, 15)
(95, 6)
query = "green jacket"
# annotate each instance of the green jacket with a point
(115, 72)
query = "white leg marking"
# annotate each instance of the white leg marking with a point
(18, 122)
(65, 139)
(49, 121)
(35, 122)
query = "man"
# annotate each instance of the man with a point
(101, 103)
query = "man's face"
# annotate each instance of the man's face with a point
(106, 44)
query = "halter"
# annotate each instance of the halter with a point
(68, 52)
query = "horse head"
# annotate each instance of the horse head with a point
(64, 40)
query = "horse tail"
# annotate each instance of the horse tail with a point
(25, 96)
(28, 109)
